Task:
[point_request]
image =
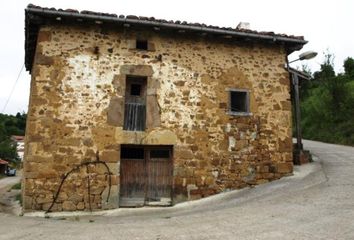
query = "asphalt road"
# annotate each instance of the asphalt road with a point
(7, 182)
(316, 203)
(7, 195)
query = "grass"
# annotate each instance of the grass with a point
(17, 186)
(19, 198)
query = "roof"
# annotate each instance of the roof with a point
(302, 75)
(3, 162)
(36, 16)
(17, 138)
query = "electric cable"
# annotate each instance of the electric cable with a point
(13, 89)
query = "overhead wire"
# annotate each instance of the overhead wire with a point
(13, 89)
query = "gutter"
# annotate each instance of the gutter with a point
(47, 12)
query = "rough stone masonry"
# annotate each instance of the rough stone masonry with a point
(76, 109)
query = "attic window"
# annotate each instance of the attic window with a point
(239, 102)
(141, 44)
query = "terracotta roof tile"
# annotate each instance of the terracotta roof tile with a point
(152, 19)
(17, 138)
(3, 162)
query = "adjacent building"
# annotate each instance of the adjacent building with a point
(20, 145)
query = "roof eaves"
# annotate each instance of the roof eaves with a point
(167, 24)
(36, 15)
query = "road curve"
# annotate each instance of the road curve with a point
(7, 182)
(316, 203)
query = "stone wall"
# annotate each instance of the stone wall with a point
(76, 110)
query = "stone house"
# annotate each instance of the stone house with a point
(20, 145)
(132, 111)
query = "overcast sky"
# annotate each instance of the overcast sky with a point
(325, 24)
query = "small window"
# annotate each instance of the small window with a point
(135, 103)
(142, 44)
(135, 90)
(132, 153)
(239, 102)
(160, 153)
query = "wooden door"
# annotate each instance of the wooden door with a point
(159, 172)
(146, 176)
(132, 177)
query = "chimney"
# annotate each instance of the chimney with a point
(244, 25)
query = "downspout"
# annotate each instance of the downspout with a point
(294, 79)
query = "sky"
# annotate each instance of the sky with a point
(326, 24)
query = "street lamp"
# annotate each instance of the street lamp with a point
(305, 56)
(295, 82)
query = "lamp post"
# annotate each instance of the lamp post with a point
(295, 82)
(305, 56)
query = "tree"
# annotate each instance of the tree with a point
(327, 107)
(335, 85)
(14, 125)
(10, 125)
(7, 147)
(8, 151)
(349, 67)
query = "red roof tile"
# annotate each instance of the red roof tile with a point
(17, 138)
(3, 162)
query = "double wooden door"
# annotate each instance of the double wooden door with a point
(145, 176)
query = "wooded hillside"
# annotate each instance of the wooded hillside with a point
(327, 104)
